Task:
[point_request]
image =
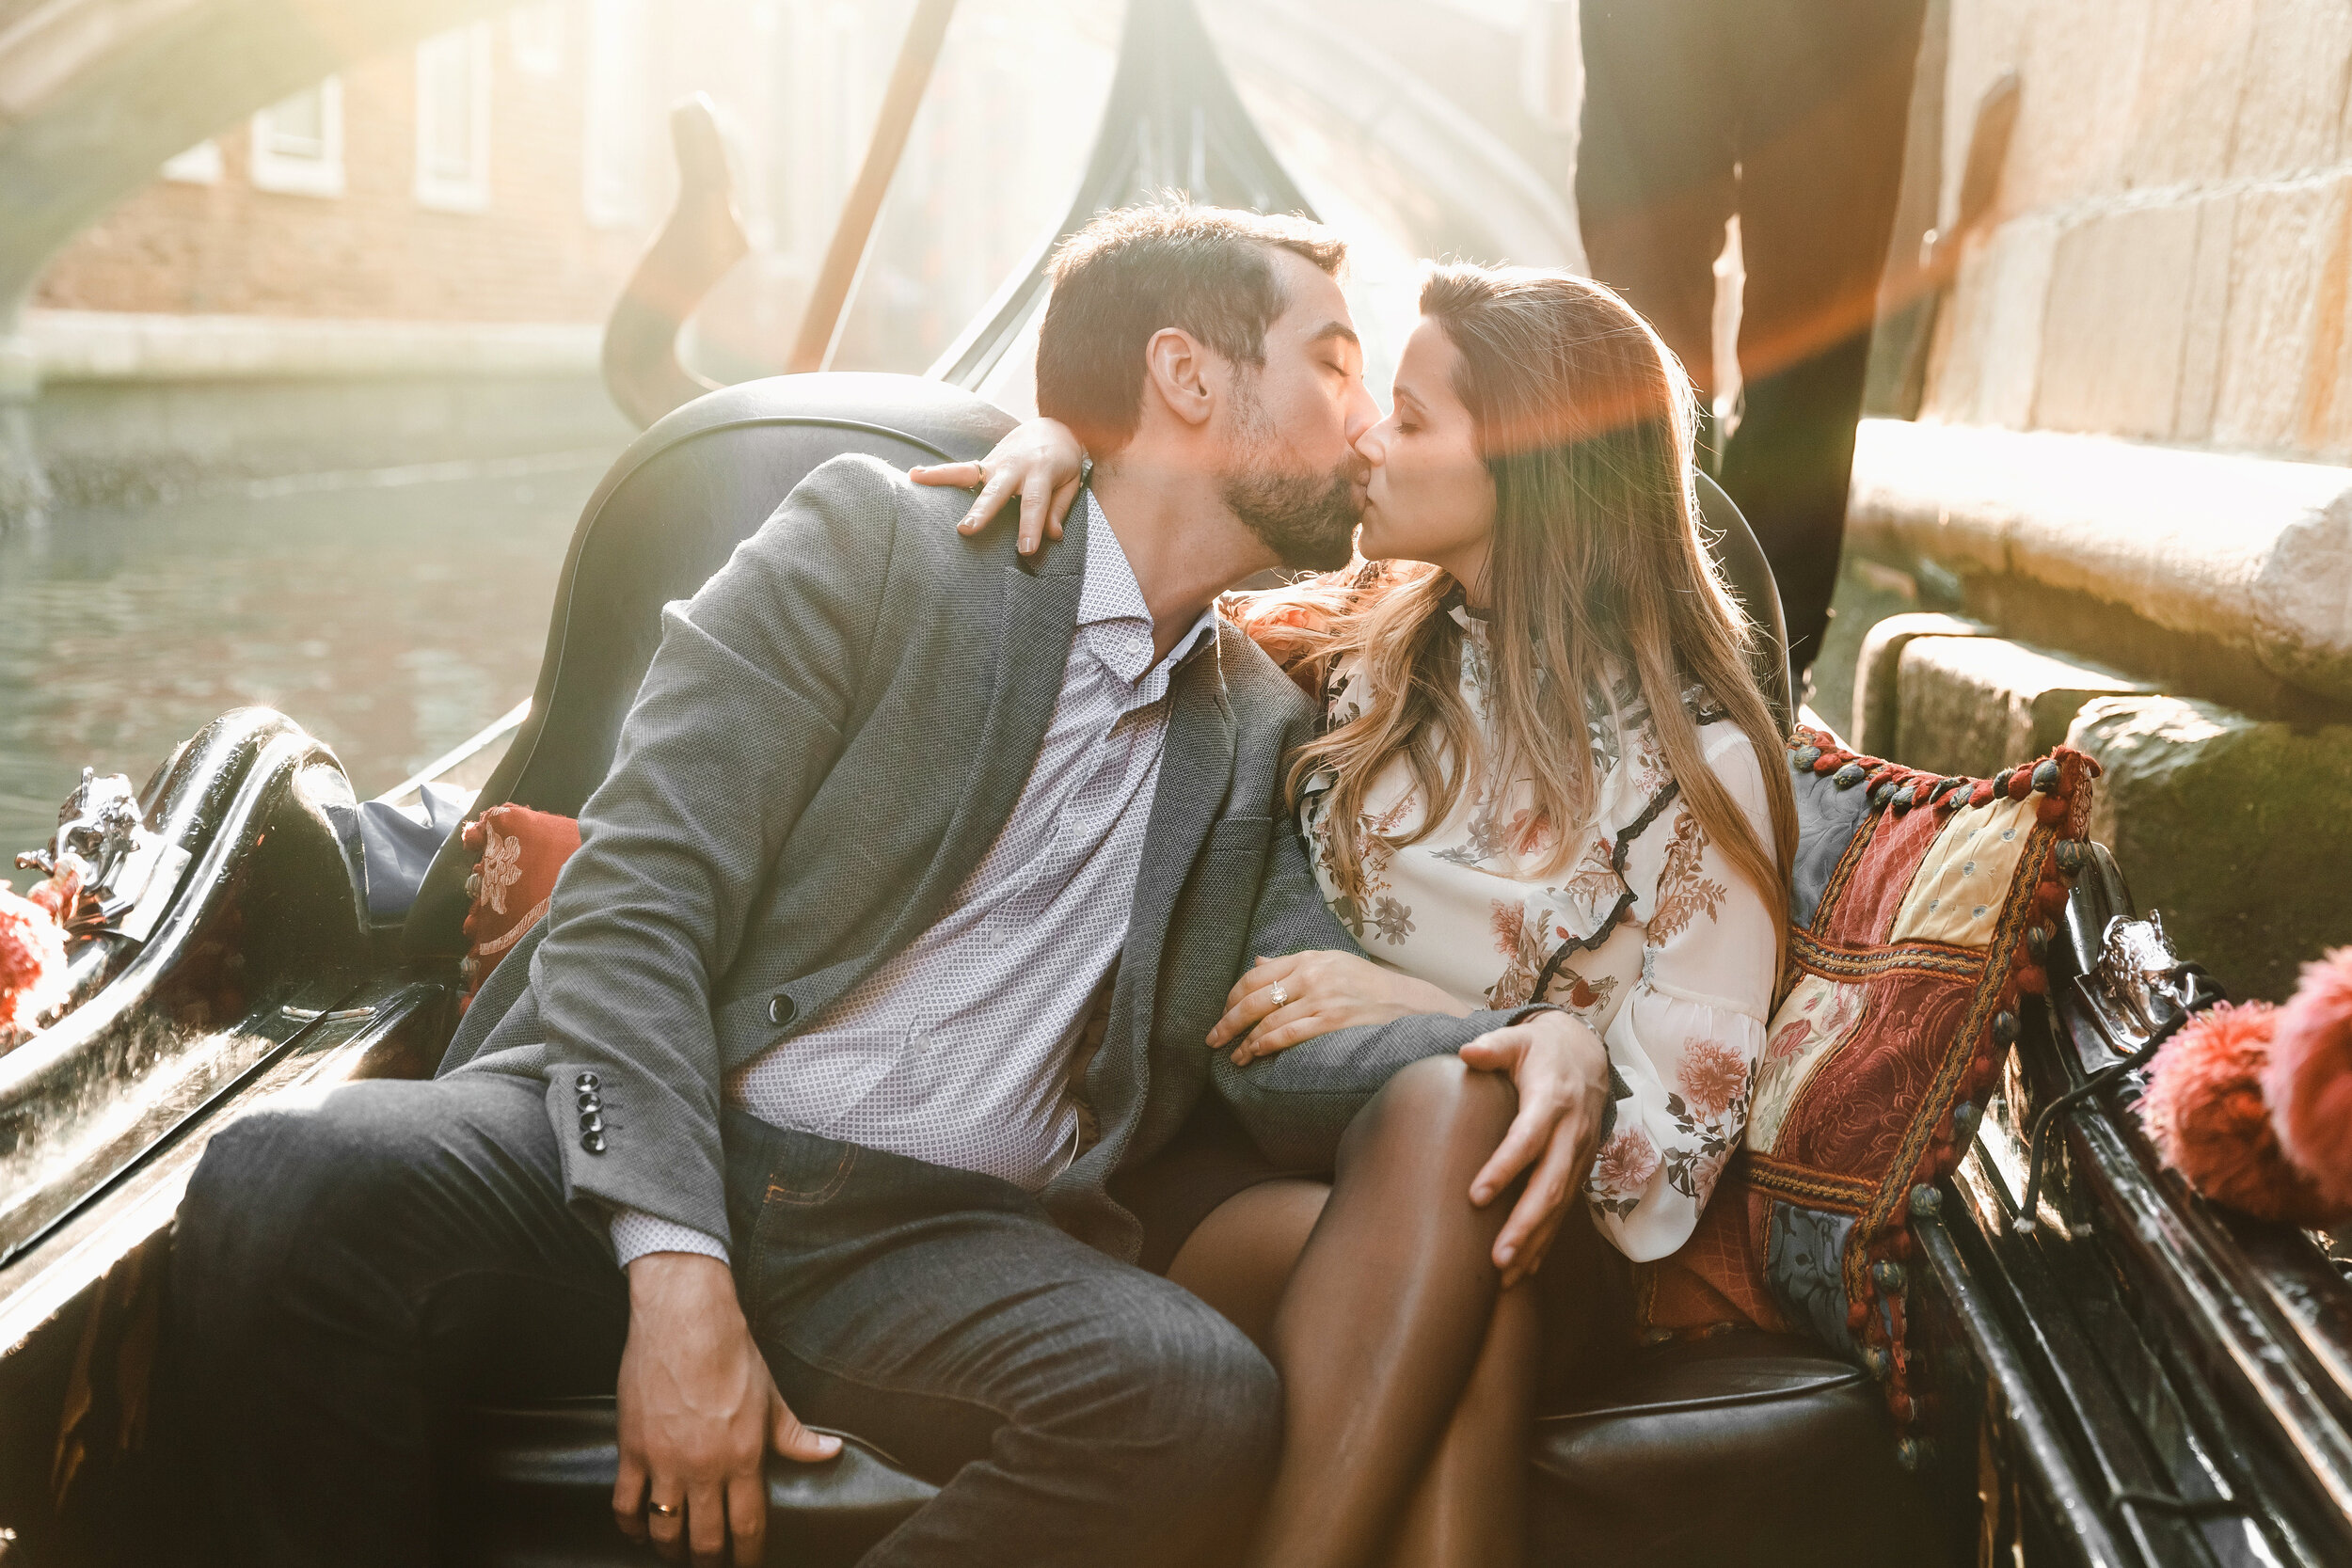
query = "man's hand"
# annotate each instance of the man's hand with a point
(697, 1412)
(1562, 1071)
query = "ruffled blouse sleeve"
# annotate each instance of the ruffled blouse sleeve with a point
(1682, 1049)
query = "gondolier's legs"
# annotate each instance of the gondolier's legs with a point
(339, 1265)
(1793, 114)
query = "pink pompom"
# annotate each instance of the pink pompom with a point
(2205, 1110)
(2309, 1079)
(32, 963)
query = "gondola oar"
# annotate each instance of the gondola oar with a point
(853, 235)
(704, 238)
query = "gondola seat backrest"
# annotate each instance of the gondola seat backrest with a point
(704, 479)
(674, 507)
(1751, 579)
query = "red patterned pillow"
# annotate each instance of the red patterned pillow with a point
(1920, 910)
(519, 852)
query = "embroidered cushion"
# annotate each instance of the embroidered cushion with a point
(520, 851)
(1920, 908)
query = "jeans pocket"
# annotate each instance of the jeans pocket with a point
(799, 1202)
(810, 1173)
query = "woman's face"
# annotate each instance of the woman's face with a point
(1429, 497)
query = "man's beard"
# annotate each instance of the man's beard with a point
(1308, 521)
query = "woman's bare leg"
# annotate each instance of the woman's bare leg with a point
(1470, 1509)
(1385, 1315)
(1239, 1260)
(1468, 1504)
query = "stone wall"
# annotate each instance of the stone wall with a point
(2185, 617)
(2171, 244)
(2123, 518)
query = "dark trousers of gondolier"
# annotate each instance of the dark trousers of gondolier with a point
(1792, 114)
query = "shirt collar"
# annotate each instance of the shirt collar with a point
(1110, 595)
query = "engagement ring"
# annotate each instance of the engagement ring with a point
(1281, 997)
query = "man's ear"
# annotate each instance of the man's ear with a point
(1176, 368)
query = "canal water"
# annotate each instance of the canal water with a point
(391, 613)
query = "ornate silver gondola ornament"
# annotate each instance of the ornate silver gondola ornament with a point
(127, 871)
(2142, 993)
(2137, 987)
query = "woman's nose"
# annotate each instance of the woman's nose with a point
(1371, 445)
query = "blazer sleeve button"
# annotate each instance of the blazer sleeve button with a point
(782, 1010)
(587, 1080)
(591, 1142)
(591, 1122)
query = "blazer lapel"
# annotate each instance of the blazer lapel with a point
(1196, 770)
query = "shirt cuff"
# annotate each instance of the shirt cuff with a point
(636, 1233)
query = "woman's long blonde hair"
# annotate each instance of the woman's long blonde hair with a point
(1585, 420)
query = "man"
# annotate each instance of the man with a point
(801, 1038)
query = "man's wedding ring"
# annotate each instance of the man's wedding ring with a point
(667, 1510)
(1281, 997)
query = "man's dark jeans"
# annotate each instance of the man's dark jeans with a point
(345, 1265)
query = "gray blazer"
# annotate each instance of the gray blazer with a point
(830, 735)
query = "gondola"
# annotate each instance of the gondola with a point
(2136, 1378)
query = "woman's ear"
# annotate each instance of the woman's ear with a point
(1176, 371)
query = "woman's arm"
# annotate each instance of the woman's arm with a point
(1041, 462)
(1684, 1046)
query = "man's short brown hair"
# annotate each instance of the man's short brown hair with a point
(1127, 275)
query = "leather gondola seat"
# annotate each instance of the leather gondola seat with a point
(1742, 1449)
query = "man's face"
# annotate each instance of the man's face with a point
(1290, 470)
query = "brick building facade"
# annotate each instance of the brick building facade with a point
(366, 239)
(513, 171)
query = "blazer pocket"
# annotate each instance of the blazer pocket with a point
(1230, 835)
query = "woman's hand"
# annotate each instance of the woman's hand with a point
(1282, 1000)
(1040, 461)
(1562, 1071)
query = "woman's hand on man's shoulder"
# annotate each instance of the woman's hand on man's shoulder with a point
(1041, 462)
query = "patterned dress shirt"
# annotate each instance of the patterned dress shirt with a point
(958, 1050)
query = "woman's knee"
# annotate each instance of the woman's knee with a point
(1437, 1103)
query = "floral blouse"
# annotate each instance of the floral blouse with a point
(1649, 936)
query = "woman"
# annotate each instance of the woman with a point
(1540, 778)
